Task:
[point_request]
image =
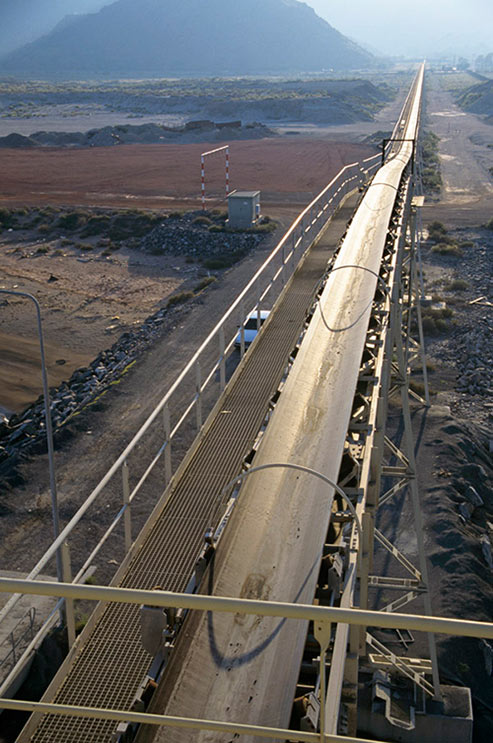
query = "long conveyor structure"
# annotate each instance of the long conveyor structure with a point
(110, 663)
(281, 642)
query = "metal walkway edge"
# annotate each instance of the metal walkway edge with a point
(110, 664)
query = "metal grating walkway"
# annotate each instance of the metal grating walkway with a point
(110, 666)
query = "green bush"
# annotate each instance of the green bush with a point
(458, 285)
(206, 281)
(6, 218)
(447, 249)
(437, 227)
(72, 221)
(218, 263)
(179, 298)
(96, 225)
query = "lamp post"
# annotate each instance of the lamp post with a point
(49, 429)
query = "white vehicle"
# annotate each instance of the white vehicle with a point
(250, 327)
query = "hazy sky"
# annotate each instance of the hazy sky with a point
(431, 20)
(369, 21)
(466, 26)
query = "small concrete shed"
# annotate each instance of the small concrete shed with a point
(243, 208)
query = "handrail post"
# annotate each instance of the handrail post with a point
(322, 635)
(242, 329)
(198, 388)
(167, 438)
(222, 360)
(69, 603)
(127, 516)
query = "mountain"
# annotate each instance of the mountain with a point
(23, 21)
(165, 38)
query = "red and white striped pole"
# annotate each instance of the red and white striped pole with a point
(202, 163)
(203, 181)
(227, 171)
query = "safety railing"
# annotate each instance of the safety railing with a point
(322, 617)
(190, 394)
(17, 639)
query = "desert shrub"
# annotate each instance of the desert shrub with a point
(218, 263)
(206, 281)
(264, 228)
(466, 244)
(202, 220)
(175, 215)
(42, 249)
(132, 224)
(458, 285)
(96, 225)
(44, 228)
(217, 228)
(72, 221)
(57, 253)
(437, 227)
(219, 214)
(179, 298)
(447, 249)
(489, 225)
(85, 247)
(6, 218)
(66, 243)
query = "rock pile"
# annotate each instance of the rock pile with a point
(476, 359)
(108, 136)
(202, 240)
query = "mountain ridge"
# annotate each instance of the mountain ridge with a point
(193, 38)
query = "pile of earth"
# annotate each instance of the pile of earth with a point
(478, 99)
(193, 131)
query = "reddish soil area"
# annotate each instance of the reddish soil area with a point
(151, 175)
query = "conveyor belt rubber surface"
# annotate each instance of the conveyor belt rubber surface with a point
(110, 666)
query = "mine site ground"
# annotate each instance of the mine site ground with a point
(96, 297)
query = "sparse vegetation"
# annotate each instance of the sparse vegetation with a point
(71, 220)
(203, 220)
(458, 285)
(444, 248)
(432, 179)
(489, 225)
(206, 281)
(179, 298)
(436, 321)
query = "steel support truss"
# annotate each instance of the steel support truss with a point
(395, 344)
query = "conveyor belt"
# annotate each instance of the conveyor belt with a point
(110, 666)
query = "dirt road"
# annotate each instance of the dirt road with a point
(465, 159)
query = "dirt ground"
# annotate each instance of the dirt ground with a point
(152, 176)
(88, 301)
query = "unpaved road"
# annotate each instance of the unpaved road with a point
(467, 192)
